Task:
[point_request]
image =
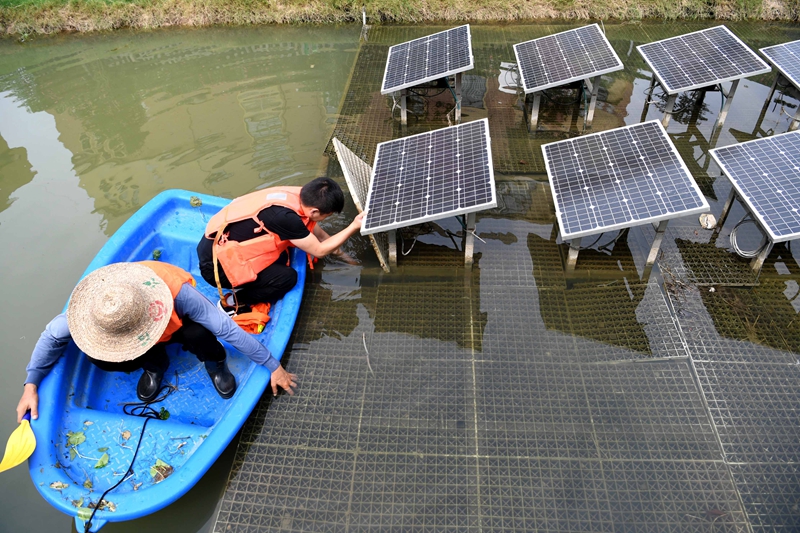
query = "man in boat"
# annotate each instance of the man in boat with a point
(245, 245)
(123, 315)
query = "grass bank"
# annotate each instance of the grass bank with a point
(29, 17)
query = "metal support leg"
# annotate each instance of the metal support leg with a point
(403, 108)
(594, 85)
(699, 102)
(774, 85)
(469, 244)
(649, 98)
(653, 255)
(668, 109)
(795, 120)
(392, 248)
(725, 210)
(724, 112)
(458, 98)
(537, 100)
(572, 257)
(758, 261)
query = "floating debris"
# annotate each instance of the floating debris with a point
(161, 471)
(708, 221)
(103, 461)
(103, 506)
(73, 439)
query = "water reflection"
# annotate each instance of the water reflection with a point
(142, 115)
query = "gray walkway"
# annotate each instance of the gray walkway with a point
(511, 399)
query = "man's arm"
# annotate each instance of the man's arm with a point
(320, 248)
(46, 353)
(192, 304)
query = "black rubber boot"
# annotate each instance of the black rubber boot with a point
(149, 385)
(221, 377)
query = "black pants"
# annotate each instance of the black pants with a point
(194, 338)
(270, 285)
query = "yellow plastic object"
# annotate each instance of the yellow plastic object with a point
(20, 445)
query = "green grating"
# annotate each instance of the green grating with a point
(770, 493)
(510, 397)
(367, 118)
(753, 407)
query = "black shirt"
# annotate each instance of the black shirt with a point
(280, 220)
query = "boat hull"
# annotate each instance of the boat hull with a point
(80, 401)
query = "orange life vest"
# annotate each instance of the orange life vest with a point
(242, 261)
(174, 277)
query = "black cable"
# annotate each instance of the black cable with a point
(124, 477)
(143, 410)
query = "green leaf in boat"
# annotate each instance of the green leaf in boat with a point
(160, 471)
(84, 513)
(103, 461)
(72, 453)
(195, 201)
(163, 414)
(103, 449)
(58, 485)
(88, 485)
(73, 439)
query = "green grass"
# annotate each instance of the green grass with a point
(26, 17)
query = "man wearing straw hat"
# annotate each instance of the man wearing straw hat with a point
(122, 316)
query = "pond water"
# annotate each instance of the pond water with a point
(92, 127)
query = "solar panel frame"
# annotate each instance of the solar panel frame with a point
(740, 160)
(606, 187)
(357, 174)
(431, 174)
(785, 58)
(396, 54)
(561, 39)
(651, 52)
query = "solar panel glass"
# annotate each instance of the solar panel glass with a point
(619, 178)
(786, 58)
(765, 174)
(565, 57)
(430, 176)
(428, 58)
(701, 59)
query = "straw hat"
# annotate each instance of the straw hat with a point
(119, 311)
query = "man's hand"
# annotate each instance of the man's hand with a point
(358, 220)
(285, 380)
(29, 402)
(341, 255)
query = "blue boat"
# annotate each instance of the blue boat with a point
(85, 441)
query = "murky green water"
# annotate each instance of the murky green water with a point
(92, 127)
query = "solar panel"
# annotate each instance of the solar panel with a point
(701, 59)
(428, 58)
(565, 57)
(786, 58)
(765, 173)
(430, 176)
(619, 178)
(357, 175)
